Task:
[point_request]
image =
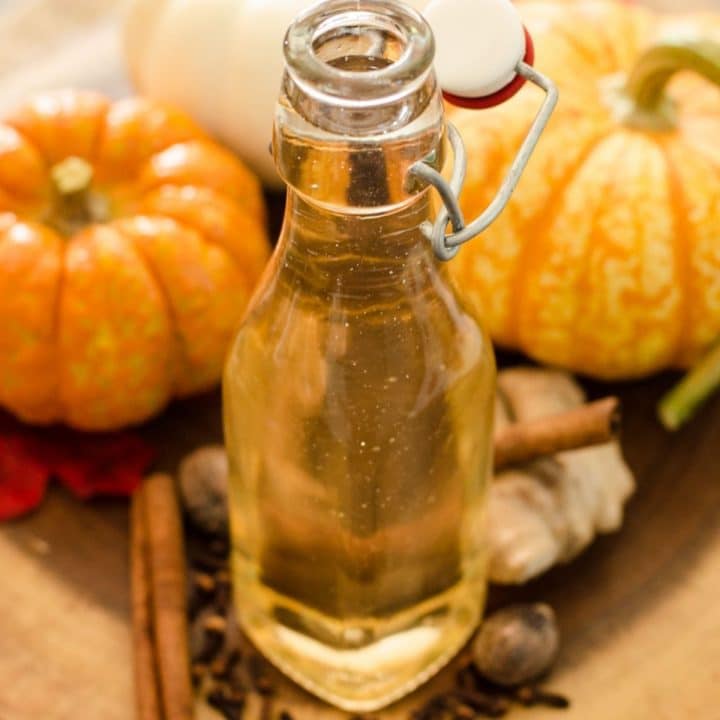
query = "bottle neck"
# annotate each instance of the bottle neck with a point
(328, 253)
(359, 106)
(357, 174)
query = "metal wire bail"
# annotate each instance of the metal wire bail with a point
(447, 246)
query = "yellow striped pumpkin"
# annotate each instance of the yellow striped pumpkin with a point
(607, 260)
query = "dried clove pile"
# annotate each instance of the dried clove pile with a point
(232, 675)
(514, 648)
(226, 669)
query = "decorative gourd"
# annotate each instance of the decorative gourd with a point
(129, 244)
(220, 60)
(607, 260)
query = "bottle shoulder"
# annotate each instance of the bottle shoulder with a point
(425, 319)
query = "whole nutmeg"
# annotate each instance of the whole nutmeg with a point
(517, 644)
(204, 488)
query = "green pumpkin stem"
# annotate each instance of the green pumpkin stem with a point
(681, 403)
(645, 88)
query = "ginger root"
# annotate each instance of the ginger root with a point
(548, 511)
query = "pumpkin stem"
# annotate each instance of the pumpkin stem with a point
(71, 176)
(645, 88)
(681, 403)
(75, 205)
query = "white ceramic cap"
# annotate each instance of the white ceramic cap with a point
(478, 45)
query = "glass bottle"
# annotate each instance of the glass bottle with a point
(358, 393)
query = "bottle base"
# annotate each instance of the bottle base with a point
(369, 675)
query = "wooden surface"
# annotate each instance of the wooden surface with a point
(639, 611)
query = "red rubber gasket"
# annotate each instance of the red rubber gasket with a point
(502, 95)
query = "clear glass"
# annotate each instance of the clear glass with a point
(358, 393)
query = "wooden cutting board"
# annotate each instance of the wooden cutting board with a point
(639, 611)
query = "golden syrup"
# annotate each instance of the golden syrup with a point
(358, 406)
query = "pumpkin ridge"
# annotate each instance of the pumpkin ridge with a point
(247, 270)
(61, 409)
(542, 222)
(26, 138)
(569, 35)
(607, 42)
(587, 257)
(33, 122)
(99, 137)
(192, 228)
(18, 201)
(683, 232)
(19, 207)
(178, 341)
(42, 408)
(151, 176)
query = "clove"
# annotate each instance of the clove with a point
(230, 706)
(257, 675)
(533, 695)
(197, 672)
(207, 637)
(489, 705)
(266, 708)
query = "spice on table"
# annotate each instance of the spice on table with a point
(228, 672)
(203, 486)
(207, 636)
(594, 423)
(455, 705)
(517, 644)
(482, 702)
(201, 588)
(238, 685)
(230, 706)
(546, 512)
(168, 584)
(204, 581)
(529, 696)
(197, 672)
(267, 707)
(147, 694)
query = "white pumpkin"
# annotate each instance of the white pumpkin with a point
(219, 60)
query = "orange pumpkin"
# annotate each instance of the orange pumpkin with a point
(607, 260)
(129, 244)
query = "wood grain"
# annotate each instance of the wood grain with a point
(64, 633)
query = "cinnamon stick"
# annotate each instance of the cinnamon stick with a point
(168, 591)
(147, 692)
(595, 423)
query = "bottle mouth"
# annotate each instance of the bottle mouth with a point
(359, 53)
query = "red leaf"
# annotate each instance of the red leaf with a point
(23, 476)
(88, 464)
(111, 464)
